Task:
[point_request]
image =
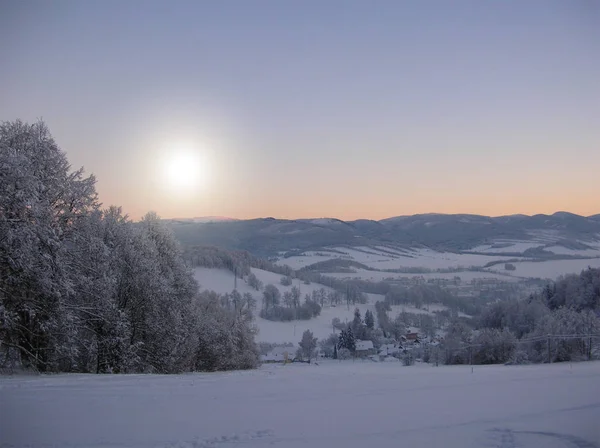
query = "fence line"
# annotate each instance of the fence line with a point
(538, 339)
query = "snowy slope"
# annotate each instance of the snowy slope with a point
(333, 405)
(222, 281)
(550, 269)
(465, 276)
(392, 259)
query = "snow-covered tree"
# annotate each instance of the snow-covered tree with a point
(328, 345)
(86, 290)
(295, 292)
(41, 200)
(308, 344)
(347, 340)
(286, 280)
(287, 299)
(271, 296)
(254, 282)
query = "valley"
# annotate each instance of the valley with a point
(489, 268)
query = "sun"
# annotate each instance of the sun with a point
(184, 171)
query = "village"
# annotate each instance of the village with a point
(412, 346)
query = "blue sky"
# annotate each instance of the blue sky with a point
(317, 108)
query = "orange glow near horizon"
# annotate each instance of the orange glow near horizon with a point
(381, 111)
(362, 208)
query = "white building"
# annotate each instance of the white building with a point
(278, 354)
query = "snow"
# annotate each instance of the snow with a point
(465, 276)
(222, 281)
(320, 326)
(560, 250)
(335, 404)
(512, 246)
(551, 269)
(279, 354)
(280, 332)
(413, 258)
(364, 345)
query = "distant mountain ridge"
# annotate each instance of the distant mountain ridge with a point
(271, 236)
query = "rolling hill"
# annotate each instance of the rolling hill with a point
(268, 237)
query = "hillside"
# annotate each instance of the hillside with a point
(223, 281)
(374, 404)
(269, 236)
(539, 246)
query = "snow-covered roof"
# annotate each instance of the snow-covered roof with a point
(389, 349)
(364, 345)
(278, 354)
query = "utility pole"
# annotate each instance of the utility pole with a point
(549, 358)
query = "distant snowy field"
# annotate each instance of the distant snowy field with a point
(465, 276)
(383, 259)
(222, 281)
(337, 404)
(550, 269)
(393, 259)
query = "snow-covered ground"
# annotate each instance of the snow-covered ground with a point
(465, 276)
(430, 259)
(337, 404)
(521, 246)
(280, 332)
(550, 269)
(560, 250)
(413, 258)
(511, 246)
(222, 281)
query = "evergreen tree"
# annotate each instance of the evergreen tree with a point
(357, 318)
(369, 320)
(351, 341)
(347, 340)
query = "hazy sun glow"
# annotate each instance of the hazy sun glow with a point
(185, 170)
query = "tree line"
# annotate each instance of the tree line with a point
(85, 289)
(560, 323)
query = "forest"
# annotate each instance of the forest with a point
(85, 289)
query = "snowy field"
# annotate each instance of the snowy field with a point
(382, 258)
(550, 269)
(465, 276)
(337, 404)
(414, 258)
(511, 246)
(521, 246)
(222, 281)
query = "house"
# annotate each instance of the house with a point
(364, 348)
(389, 349)
(412, 336)
(278, 354)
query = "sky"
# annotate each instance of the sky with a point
(347, 109)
